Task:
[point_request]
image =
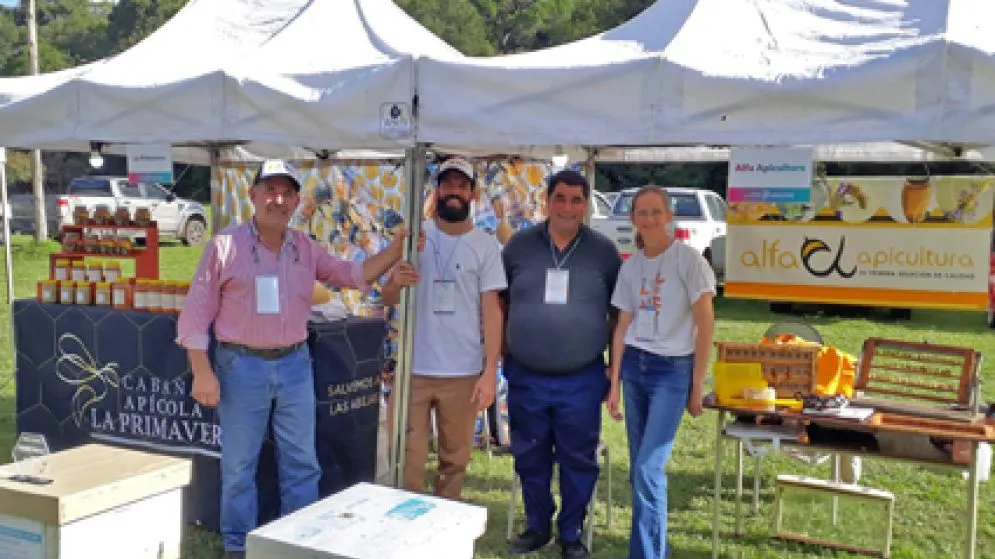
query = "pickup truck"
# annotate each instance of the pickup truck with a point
(699, 219)
(183, 219)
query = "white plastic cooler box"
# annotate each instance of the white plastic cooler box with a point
(369, 521)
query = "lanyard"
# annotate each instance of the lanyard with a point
(652, 281)
(440, 270)
(552, 251)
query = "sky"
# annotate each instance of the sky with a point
(9, 3)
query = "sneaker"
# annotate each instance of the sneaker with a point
(528, 542)
(574, 550)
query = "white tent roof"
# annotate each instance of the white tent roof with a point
(313, 73)
(732, 72)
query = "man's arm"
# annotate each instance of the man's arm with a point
(337, 272)
(201, 308)
(493, 318)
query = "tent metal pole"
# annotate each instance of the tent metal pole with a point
(401, 390)
(214, 154)
(5, 205)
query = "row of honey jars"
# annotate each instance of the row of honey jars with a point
(145, 295)
(160, 296)
(93, 271)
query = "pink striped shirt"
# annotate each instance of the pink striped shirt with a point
(223, 291)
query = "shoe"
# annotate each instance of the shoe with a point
(574, 550)
(529, 541)
(234, 555)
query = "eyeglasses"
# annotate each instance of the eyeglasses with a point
(649, 213)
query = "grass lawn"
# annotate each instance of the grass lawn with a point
(928, 518)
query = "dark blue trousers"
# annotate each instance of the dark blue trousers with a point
(556, 418)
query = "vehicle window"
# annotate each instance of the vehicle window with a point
(130, 190)
(716, 207)
(683, 205)
(602, 206)
(90, 187)
(155, 192)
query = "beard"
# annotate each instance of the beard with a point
(450, 213)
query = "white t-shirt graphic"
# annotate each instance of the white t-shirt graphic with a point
(448, 336)
(663, 289)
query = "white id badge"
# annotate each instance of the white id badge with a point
(645, 325)
(445, 297)
(557, 286)
(267, 295)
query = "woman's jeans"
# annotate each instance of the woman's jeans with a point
(251, 389)
(655, 392)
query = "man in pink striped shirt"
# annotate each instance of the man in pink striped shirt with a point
(254, 284)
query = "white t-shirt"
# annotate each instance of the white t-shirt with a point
(448, 337)
(662, 290)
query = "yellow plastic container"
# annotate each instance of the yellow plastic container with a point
(731, 379)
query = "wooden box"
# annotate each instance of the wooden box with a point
(103, 502)
(369, 521)
(789, 369)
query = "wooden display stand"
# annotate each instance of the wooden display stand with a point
(103, 501)
(146, 259)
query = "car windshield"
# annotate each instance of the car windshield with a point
(683, 205)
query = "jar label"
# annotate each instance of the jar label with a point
(119, 298)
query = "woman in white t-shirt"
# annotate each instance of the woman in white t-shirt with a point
(664, 335)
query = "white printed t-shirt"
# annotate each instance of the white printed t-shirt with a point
(450, 344)
(667, 286)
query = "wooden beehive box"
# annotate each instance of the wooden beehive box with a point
(788, 369)
(912, 376)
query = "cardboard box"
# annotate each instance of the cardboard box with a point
(104, 501)
(369, 521)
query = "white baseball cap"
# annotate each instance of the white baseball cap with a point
(456, 164)
(277, 168)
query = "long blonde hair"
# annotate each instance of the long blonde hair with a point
(649, 188)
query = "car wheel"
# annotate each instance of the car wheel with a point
(193, 233)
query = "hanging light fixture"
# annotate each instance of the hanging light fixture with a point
(96, 155)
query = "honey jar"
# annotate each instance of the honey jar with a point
(112, 271)
(81, 215)
(84, 293)
(102, 294)
(77, 271)
(122, 217)
(102, 215)
(108, 246)
(180, 295)
(167, 296)
(139, 302)
(94, 271)
(67, 292)
(143, 217)
(121, 294)
(91, 244)
(123, 245)
(153, 295)
(61, 271)
(48, 291)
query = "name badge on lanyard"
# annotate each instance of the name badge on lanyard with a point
(558, 279)
(445, 297)
(267, 295)
(645, 325)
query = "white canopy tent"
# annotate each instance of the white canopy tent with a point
(314, 73)
(731, 72)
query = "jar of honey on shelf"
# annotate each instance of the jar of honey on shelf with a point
(167, 296)
(112, 271)
(84, 293)
(102, 294)
(61, 270)
(67, 292)
(77, 271)
(102, 215)
(121, 294)
(81, 215)
(91, 244)
(123, 245)
(94, 271)
(153, 295)
(143, 217)
(140, 302)
(180, 296)
(122, 216)
(108, 246)
(48, 291)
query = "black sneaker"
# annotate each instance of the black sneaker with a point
(528, 541)
(574, 550)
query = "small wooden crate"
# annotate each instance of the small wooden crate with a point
(788, 369)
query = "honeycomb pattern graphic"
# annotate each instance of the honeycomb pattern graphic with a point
(88, 374)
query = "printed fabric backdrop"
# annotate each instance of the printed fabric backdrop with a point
(349, 206)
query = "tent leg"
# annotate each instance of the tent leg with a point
(216, 201)
(5, 206)
(415, 170)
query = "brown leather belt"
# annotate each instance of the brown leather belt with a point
(269, 354)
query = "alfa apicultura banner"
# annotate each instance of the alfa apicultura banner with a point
(905, 242)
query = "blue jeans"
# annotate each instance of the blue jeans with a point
(556, 418)
(656, 390)
(251, 388)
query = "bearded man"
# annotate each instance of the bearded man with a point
(458, 329)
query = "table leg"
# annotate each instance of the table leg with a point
(756, 483)
(836, 478)
(719, 420)
(972, 505)
(739, 486)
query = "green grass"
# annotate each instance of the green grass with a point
(928, 518)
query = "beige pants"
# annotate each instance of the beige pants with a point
(455, 418)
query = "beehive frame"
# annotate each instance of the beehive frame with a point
(922, 373)
(789, 369)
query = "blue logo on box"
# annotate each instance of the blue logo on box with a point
(411, 509)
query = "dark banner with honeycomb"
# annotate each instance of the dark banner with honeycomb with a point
(88, 374)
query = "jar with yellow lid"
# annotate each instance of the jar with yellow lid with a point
(48, 291)
(123, 245)
(94, 271)
(84, 293)
(102, 294)
(102, 215)
(167, 296)
(61, 270)
(140, 302)
(67, 292)
(112, 270)
(153, 295)
(121, 294)
(143, 217)
(81, 215)
(180, 295)
(77, 271)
